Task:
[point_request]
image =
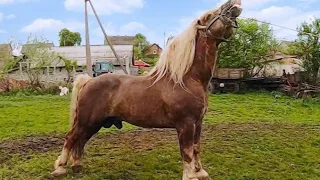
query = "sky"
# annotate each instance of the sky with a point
(156, 19)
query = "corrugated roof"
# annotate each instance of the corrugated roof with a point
(120, 40)
(26, 46)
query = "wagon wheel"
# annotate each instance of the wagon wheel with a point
(232, 87)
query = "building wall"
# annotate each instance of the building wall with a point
(59, 75)
(101, 52)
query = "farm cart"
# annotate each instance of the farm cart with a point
(232, 80)
(226, 80)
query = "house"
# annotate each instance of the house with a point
(5, 53)
(56, 70)
(153, 50)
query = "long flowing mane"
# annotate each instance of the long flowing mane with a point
(177, 59)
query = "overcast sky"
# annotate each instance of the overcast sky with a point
(19, 18)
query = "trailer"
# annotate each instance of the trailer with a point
(226, 80)
(230, 80)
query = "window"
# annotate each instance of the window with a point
(154, 51)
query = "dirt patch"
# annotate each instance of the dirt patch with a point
(23, 147)
(36, 144)
(141, 139)
(147, 139)
(138, 140)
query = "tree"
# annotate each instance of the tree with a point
(251, 45)
(140, 43)
(307, 46)
(68, 38)
(8, 63)
(38, 57)
(69, 66)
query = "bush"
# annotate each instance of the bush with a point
(48, 89)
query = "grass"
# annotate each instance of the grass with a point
(252, 136)
(262, 107)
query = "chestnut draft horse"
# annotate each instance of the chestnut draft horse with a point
(173, 95)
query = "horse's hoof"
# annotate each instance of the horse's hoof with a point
(76, 169)
(59, 172)
(203, 175)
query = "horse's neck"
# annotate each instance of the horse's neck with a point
(205, 60)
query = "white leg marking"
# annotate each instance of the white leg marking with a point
(60, 162)
(189, 171)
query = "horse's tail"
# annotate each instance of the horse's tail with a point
(80, 81)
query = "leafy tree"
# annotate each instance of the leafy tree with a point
(69, 66)
(307, 46)
(140, 43)
(68, 38)
(39, 56)
(8, 63)
(251, 45)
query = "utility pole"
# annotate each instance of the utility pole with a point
(88, 51)
(164, 40)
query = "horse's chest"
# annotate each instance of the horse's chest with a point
(195, 108)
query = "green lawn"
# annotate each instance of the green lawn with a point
(252, 136)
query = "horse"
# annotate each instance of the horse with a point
(173, 95)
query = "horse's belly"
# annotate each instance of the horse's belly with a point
(150, 122)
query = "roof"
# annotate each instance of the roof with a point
(154, 44)
(121, 40)
(98, 52)
(26, 46)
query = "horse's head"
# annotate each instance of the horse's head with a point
(220, 23)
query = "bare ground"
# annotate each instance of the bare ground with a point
(148, 139)
(242, 150)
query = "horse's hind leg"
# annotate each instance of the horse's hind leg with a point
(63, 158)
(74, 145)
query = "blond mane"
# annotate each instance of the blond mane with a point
(177, 59)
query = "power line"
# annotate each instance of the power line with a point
(265, 22)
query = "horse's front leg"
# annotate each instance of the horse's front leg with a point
(200, 172)
(186, 140)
